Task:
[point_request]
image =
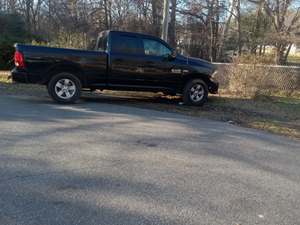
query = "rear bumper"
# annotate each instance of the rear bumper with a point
(23, 76)
(19, 76)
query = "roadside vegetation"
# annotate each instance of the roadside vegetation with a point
(276, 114)
(294, 60)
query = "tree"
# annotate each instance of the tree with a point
(172, 26)
(285, 21)
(209, 29)
(12, 31)
(165, 22)
(156, 5)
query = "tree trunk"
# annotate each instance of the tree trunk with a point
(155, 17)
(172, 26)
(226, 29)
(109, 15)
(27, 15)
(238, 11)
(106, 14)
(256, 32)
(165, 25)
(287, 52)
(12, 6)
(216, 30)
(280, 50)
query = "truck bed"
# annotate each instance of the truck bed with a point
(41, 61)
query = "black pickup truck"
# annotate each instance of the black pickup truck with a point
(120, 61)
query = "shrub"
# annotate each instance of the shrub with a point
(249, 76)
(12, 30)
(6, 56)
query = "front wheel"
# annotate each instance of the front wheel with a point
(64, 88)
(195, 92)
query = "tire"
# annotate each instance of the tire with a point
(64, 88)
(195, 92)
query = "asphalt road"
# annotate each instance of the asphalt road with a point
(98, 163)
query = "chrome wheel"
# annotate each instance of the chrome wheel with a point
(197, 93)
(65, 88)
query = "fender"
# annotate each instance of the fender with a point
(65, 67)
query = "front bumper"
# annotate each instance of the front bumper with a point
(213, 87)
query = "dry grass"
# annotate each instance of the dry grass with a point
(9, 88)
(4, 77)
(280, 115)
(294, 59)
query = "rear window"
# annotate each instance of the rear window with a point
(126, 45)
(102, 43)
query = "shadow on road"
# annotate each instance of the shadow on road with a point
(52, 170)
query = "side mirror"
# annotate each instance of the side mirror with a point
(173, 55)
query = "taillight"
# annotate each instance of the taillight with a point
(19, 60)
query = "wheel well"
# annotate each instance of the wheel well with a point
(75, 70)
(203, 77)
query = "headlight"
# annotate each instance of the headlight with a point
(214, 75)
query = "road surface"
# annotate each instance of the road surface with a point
(98, 163)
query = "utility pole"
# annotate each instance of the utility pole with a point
(165, 22)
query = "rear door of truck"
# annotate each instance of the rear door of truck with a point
(126, 59)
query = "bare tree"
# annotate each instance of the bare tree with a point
(284, 22)
(230, 11)
(209, 29)
(172, 26)
(156, 5)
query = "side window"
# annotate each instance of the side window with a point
(102, 43)
(126, 44)
(155, 48)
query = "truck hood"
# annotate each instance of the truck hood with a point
(200, 62)
(200, 65)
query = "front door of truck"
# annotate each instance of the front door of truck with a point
(159, 67)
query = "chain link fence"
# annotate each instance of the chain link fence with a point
(254, 79)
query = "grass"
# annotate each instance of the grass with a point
(4, 77)
(9, 88)
(279, 115)
(294, 60)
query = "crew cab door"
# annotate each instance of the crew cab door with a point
(126, 58)
(160, 69)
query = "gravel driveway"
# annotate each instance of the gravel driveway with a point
(98, 163)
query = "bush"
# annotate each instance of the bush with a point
(6, 57)
(12, 30)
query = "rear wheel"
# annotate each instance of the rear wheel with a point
(64, 88)
(195, 92)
